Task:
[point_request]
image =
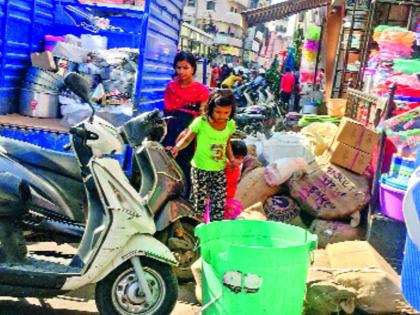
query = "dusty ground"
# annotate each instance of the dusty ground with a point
(83, 304)
(75, 306)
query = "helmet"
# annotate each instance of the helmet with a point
(261, 71)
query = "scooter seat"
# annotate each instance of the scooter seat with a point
(57, 162)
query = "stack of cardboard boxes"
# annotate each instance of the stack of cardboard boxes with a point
(352, 146)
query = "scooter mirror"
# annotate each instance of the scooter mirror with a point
(79, 86)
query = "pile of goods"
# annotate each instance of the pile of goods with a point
(317, 178)
(392, 63)
(309, 54)
(112, 75)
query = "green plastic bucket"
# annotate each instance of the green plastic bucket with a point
(254, 267)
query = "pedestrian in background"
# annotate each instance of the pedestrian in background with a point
(287, 86)
(232, 79)
(296, 93)
(225, 72)
(215, 75)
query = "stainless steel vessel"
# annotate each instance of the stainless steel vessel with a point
(38, 104)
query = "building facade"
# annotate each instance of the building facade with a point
(223, 19)
(276, 42)
(196, 40)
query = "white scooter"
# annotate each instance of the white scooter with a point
(131, 269)
(261, 97)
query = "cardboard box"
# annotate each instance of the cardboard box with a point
(44, 60)
(354, 134)
(348, 157)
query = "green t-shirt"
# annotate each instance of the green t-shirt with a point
(210, 152)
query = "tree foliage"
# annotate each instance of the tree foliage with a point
(272, 76)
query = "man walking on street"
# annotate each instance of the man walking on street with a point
(287, 85)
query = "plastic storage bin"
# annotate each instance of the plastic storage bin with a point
(391, 194)
(336, 107)
(254, 267)
(310, 108)
(287, 145)
(153, 29)
(402, 167)
(51, 41)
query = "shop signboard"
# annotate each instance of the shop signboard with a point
(229, 50)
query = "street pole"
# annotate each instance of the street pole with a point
(205, 71)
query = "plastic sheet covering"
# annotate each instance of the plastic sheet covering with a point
(313, 32)
(407, 66)
(404, 130)
(320, 134)
(393, 34)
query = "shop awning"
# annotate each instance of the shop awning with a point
(280, 10)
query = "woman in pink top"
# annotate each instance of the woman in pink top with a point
(183, 99)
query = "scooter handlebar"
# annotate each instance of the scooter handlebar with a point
(169, 152)
(67, 147)
(83, 133)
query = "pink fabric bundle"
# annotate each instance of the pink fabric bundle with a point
(311, 45)
(306, 77)
(391, 51)
(232, 210)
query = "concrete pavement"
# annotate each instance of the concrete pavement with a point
(83, 304)
(76, 306)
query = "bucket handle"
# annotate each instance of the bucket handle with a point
(210, 303)
(313, 244)
(313, 240)
(210, 272)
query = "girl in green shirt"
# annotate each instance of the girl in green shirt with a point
(212, 130)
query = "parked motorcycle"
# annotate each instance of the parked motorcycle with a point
(58, 200)
(161, 182)
(239, 94)
(257, 118)
(118, 253)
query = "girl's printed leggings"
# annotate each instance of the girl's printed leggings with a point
(208, 184)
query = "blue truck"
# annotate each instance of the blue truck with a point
(152, 27)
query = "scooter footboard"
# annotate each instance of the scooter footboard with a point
(145, 245)
(139, 245)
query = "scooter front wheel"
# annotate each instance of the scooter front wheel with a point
(119, 292)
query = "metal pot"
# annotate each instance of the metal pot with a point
(38, 104)
(45, 78)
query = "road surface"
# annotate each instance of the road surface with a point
(83, 304)
(187, 305)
